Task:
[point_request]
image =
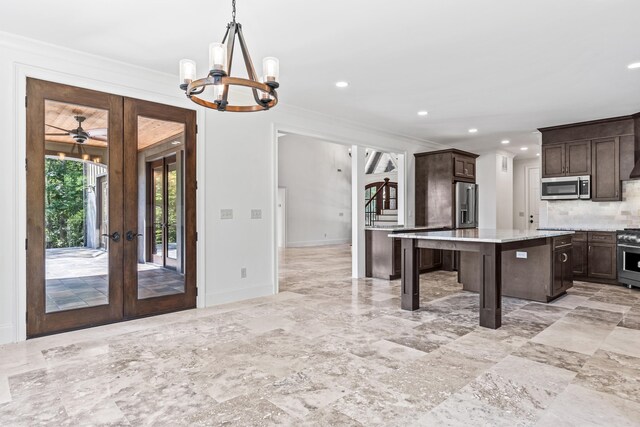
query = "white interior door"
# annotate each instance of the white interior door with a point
(281, 217)
(533, 198)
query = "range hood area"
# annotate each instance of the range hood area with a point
(635, 172)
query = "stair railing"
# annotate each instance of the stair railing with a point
(370, 211)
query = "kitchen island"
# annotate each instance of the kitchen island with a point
(489, 245)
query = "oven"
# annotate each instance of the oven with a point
(566, 188)
(629, 257)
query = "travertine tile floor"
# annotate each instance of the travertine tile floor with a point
(329, 350)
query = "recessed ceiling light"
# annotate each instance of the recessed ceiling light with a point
(524, 148)
(505, 141)
(423, 113)
(473, 130)
(634, 66)
(342, 84)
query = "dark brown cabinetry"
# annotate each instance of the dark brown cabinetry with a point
(464, 167)
(436, 173)
(539, 273)
(605, 149)
(606, 170)
(579, 254)
(602, 256)
(562, 276)
(566, 159)
(595, 256)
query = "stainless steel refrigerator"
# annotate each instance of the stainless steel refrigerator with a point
(466, 208)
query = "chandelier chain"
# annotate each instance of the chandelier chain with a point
(233, 14)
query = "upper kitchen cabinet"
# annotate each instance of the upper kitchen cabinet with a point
(566, 159)
(606, 149)
(605, 185)
(436, 173)
(464, 167)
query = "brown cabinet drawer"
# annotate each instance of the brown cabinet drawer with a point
(580, 236)
(561, 241)
(602, 237)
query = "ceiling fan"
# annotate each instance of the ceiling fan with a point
(80, 135)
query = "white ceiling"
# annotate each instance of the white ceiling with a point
(505, 67)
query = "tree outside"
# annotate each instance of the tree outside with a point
(64, 203)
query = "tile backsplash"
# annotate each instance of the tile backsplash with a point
(588, 214)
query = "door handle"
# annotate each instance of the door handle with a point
(131, 235)
(115, 236)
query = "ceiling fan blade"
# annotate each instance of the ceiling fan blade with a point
(56, 134)
(56, 127)
(97, 132)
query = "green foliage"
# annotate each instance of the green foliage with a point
(64, 203)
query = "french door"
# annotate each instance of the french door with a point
(87, 208)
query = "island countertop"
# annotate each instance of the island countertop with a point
(483, 235)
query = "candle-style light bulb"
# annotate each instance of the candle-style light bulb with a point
(187, 71)
(218, 92)
(218, 57)
(271, 69)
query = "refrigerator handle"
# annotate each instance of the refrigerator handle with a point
(472, 204)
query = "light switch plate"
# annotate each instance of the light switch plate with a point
(226, 213)
(256, 213)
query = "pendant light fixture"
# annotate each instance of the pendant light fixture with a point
(219, 77)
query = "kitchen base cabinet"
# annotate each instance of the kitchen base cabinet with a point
(540, 273)
(602, 261)
(580, 254)
(383, 257)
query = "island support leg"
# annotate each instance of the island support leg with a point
(410, 282)
(491, 286)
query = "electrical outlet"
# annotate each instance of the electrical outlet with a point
(521, 255)
(341, 214)
(243, 273)
(226, 213)
(256, 213)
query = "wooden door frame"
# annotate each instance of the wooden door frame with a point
(38, 321)
(134, 307)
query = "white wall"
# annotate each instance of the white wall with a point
(237, 164)
(317, 176)
(520, 190)
(495, 190)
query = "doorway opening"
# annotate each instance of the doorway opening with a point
(104, 241)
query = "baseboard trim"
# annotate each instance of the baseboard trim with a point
(7, 333)
(217, 298)
(318, 243)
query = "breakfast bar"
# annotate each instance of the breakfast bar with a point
(489, 245)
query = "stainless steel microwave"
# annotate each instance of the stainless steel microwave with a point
(566, 188)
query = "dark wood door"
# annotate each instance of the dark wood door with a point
(606, 170)
(156, 134)
(74, 198)
(580, 258)
(578, 158)
(553, 160)
(602, 260)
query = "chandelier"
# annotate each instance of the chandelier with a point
(220, 79)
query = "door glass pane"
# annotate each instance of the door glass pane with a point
(76, 206)
(161, 208)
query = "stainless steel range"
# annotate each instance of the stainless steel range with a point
(629, 257)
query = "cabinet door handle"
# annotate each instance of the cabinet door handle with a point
(565, 258)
